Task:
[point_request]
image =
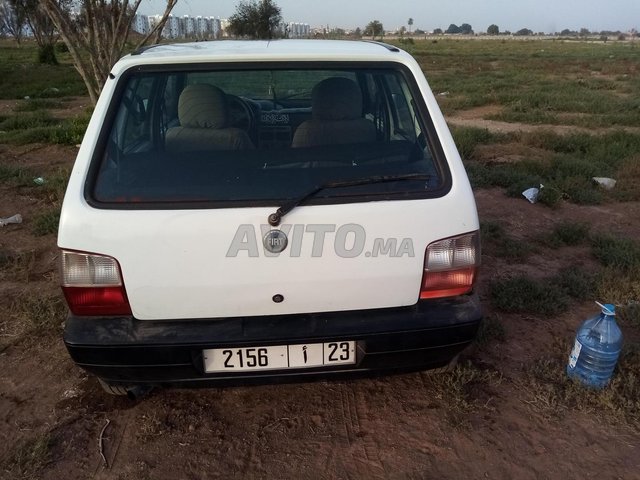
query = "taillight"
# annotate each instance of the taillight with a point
(92, 284)
(450, 266)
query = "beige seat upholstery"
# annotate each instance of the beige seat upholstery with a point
(203, 116)
(336, 108)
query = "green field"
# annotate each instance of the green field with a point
(522, 113)
(588, 84)
(593, 86)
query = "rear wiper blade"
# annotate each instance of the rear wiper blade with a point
(276, 217)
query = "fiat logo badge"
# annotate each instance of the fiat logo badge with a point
(275, 241)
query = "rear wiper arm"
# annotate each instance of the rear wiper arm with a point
(276, 217)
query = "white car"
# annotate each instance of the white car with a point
(242, 211)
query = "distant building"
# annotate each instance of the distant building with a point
(216, 28)
(204, 28)
(189, 26)
(140, 24)
(298, 30)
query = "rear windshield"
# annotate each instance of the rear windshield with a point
(262, 136)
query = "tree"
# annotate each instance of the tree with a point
(584, 32)
(524, 32)
(410, 23)
(358, 32)
(12, 21)
(257, 20)
(336, 33)
(96, 35)
(41, 26)
(453, 29)
(493, 30)
(438, 31)
(374, 29)
(466, 29)
(402, 31)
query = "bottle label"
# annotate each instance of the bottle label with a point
(575, 353)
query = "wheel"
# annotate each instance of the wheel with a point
(240, 114)
(118, 390)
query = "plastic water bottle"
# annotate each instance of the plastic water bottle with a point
(596, 349)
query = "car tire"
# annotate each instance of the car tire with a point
(117, 390)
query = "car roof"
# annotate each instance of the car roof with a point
(261, 51)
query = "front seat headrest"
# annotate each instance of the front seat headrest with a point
(202, 106)
(336, 98)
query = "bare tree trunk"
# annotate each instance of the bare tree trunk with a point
(12, 19)
(96, 36)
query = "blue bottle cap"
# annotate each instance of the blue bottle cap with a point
(607, 308)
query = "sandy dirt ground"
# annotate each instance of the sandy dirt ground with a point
(404, 426)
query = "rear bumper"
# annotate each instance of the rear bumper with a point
(126, 351)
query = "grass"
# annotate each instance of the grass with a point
(617, 280)
(566, 173)
(577, 283)
(491, 330)
(629, 315)
(17, 266)
(496, 242)
(615, 252)
(523, 294)
(21, 76)
(537, 81)
(628, 180)
(37, 104)
(619, 287)
(467, 138)
(14, 175)
(40, 127)
(463, 391)
(29, 458)
(566, 234)
(545, 82)
(551, 393)
(51, 191)
(25, 121)
(38, 312)
(46, 223)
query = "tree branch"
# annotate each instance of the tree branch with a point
(157, 30)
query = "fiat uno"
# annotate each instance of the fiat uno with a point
(249, 211)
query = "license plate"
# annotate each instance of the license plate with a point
(279, 357)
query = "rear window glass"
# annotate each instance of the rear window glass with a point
(263, 136)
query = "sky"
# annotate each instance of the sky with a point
(538, 15)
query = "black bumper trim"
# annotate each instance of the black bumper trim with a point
(123, 350)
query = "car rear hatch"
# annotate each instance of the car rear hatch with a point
(189, 230)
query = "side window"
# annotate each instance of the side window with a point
(132, 132)
(405, 124)
(374, 106)
(170, 106)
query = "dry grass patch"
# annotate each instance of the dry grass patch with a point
(29, 458)
(628, 181)
(37, 312)
(551, 393)
(465, 390)
(17, 266)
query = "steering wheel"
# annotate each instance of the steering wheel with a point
(241, 114)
